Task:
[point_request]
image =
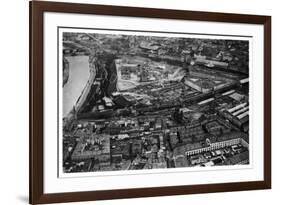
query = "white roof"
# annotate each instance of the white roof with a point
(243, 115)
(236, 107)
(107, 100)
(116, 93)
(206, 101)
(240, 111)
(246, 80)
(101, 107)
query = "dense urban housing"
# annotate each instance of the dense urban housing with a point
(134, 102)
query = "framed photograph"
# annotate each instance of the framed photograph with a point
(139, 102)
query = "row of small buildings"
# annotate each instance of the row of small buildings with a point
(212, 143)
(238, 114)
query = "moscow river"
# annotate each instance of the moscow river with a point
(79, 73)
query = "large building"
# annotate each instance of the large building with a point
(205, 85)
(206, 80)
(238, 114)
(93, 147)
(202, 60)
(212, 73)
(212, 143)
(239, 159)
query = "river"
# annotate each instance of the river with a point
(79, 73)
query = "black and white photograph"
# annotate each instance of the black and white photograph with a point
(138, 101)
(147, 101)
(131, 102)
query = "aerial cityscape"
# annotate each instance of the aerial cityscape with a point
(133, 102)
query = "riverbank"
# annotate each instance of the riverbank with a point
(79, 72)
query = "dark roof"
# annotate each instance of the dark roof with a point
(239, 158)
(230, 136)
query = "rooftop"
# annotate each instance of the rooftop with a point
(92, 146)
